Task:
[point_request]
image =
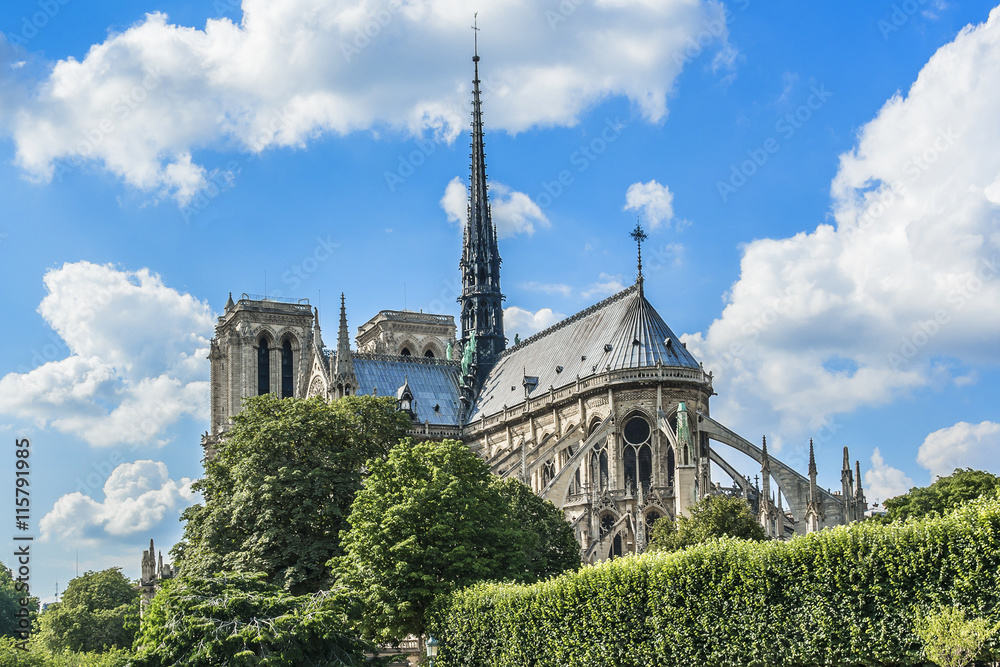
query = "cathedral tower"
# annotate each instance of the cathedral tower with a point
(482, 301)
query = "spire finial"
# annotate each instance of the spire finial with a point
(475, 37)
(639, 235)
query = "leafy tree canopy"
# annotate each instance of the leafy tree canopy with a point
(279, 488)
(710, 518)
(236, 619)
(945, 494)
(10, 603)
(431, 519)
(99, 611)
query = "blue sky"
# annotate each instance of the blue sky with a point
(821, 186)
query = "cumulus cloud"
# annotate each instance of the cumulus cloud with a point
(137, 497)
(513, 212)
(136, 360)
(141, 103)
(606, 285)
(547, 288)
(882, 481)
(903, 286)
(525, 323)
(963, 445)
(654, 201)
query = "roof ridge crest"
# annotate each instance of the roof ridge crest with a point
(572, 318)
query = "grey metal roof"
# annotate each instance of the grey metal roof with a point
(434, 382)
(623, 331)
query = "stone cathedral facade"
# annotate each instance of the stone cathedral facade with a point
(606, 413)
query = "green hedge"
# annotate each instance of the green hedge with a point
(845, 596)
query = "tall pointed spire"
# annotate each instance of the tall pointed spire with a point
(814, 505)
(344, 381)
(482, 300)
(639, 235)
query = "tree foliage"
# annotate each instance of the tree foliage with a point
(950, 639)
(10, 603)
(240, 620)
(99, 611)
(430, 519)
(279, 488)
(846, 596)
(710, 518)
(944, 494)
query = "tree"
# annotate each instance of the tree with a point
(10, 604)
(99, 611)
(547, 542)
(711, 517)
(279, 488)
(430, 519)
(239, 619)
(951, 640)
(946, 493)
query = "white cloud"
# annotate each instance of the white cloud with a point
(513, 212)
(548, 288)
(525, 323)
(606, 285)
(963, 445)
(142, 102)
(137, 497)
(860, 312)
(654, 201)
(882, 481)
(136, 363)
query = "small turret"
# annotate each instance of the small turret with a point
(847, 488)
(814, 507)
(344, 380)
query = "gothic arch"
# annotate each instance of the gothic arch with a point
(434, 349)
(407, 348)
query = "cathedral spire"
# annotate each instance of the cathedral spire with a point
(639, 235)
(345, 382)
(482, 301)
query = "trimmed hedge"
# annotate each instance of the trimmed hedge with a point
(845, 596)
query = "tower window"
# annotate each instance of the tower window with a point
(405, 352)
(429, 354)
(263, 368)
(287, 389)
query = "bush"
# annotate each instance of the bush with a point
(951, 640)
(847, 596)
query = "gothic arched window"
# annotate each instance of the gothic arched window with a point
(548, 472)
(405, 352)
(429, 354)
(671, 465)
(651, 518)
(599, 461)
(263, 368)
(287, 386)
(637, 456)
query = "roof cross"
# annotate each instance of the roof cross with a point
(639, 235)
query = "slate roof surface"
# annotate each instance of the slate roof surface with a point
(434, 382)
(623, 331)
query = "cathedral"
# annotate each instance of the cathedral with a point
(606, 413)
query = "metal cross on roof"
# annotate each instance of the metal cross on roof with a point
(639, 235)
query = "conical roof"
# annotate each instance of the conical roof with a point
(622, 332)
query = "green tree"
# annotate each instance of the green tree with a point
(10, 604)
(547, 542)
(710, 518)
(951, 640)
(237, 619)
(279, 488)
(946, 493)
(98, 611)
(431, 519)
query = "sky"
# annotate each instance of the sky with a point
(820, 183)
